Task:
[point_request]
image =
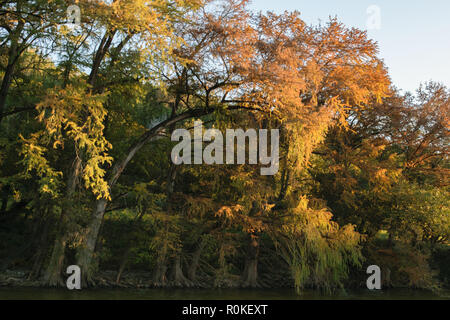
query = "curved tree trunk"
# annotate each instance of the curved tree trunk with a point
(86, 251)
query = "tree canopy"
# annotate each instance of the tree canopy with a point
(86, 178)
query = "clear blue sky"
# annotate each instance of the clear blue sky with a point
(414, 35)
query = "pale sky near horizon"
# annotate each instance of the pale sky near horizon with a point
(414, 35)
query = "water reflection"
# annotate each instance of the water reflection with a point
(217, 294)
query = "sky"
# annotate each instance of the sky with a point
(413, 35)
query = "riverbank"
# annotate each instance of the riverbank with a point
(103, 280)
(129, 280)
(139, 285)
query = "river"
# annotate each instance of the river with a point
(209, 294)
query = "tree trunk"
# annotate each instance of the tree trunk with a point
(86, 251)
(159, 276)
(53, 273)
(6, 83)
(55, 265)
(250, 275)
(38, 262)
(178, 278)
(123, 264)
(192, 272)
(13, 54)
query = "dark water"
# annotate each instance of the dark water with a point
(217, 294)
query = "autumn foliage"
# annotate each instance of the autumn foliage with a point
(85, 171)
